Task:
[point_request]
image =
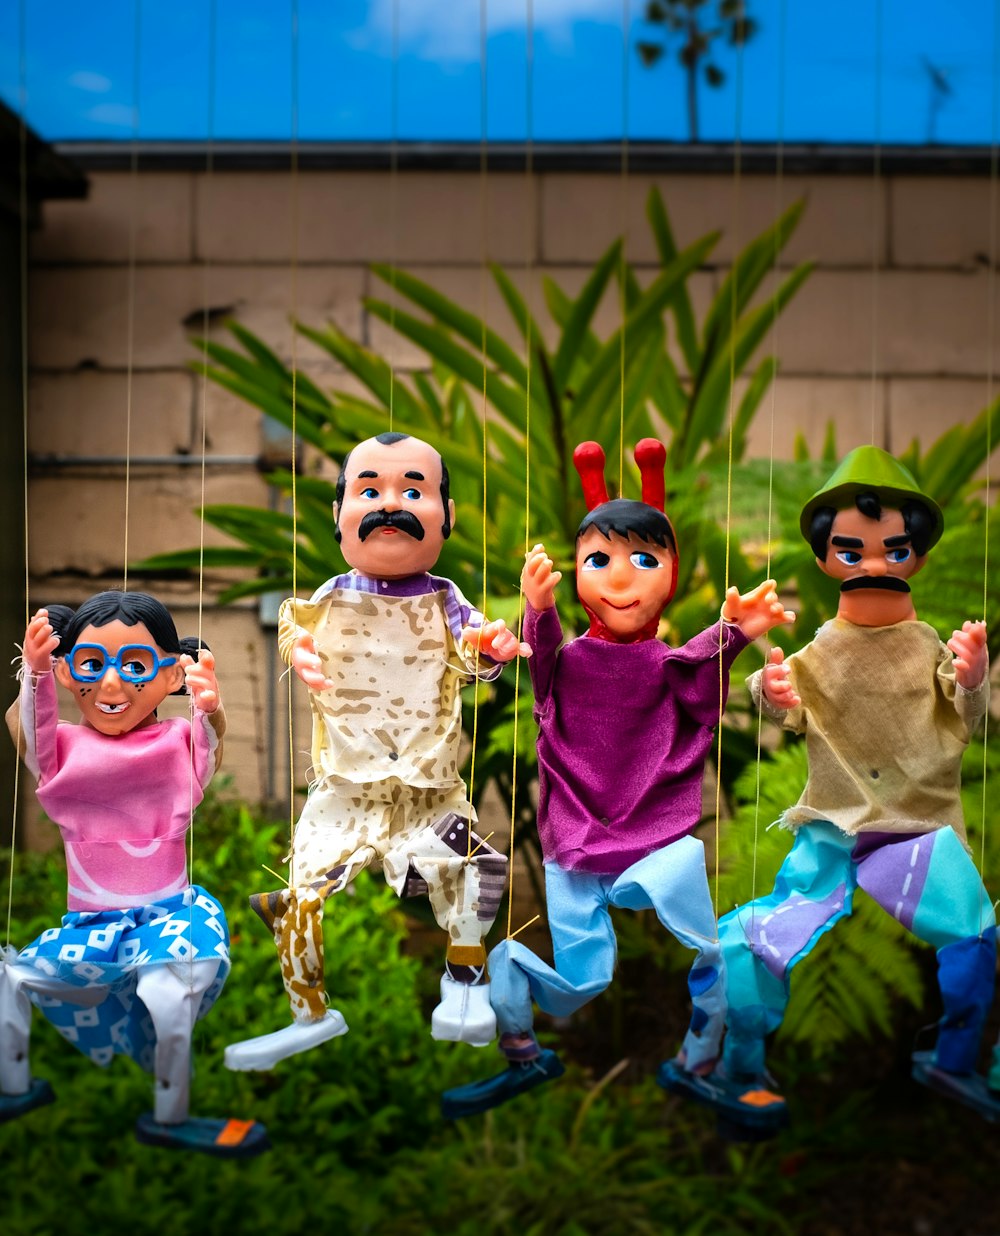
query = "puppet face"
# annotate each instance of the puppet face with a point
(624, 581)
(391, 519)
(113, 705)
(874, 555)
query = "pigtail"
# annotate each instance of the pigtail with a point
(60, 618)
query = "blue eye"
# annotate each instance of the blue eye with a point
(644, 560)
(369, 492)
(898, 555)
(596, 561)
(850, 557)
(413, 495)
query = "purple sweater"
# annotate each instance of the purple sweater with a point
(623, 732)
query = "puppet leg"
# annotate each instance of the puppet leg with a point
(333, 842)
(931, 885)
(172, 994)
(761, 943)
(464, 878)
(673, 882)
(19, 1092)
(765, 939)
(584, 951)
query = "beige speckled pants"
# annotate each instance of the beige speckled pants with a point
(421, 837)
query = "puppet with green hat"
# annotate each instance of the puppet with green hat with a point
(887, 710)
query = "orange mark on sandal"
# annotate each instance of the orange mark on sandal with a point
(760, 1098)
(233, 1132)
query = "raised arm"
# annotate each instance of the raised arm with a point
(203, 687)
(32, 718)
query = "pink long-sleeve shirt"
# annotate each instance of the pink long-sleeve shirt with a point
(123, 804)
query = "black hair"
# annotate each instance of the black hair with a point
(917, 520)
(626, 517)
(131, 608)
(390, 439)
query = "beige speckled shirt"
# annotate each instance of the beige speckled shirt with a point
(396, 710)
(885, 725)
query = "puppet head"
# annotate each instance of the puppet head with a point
(393, 513)
(626, 552)
(119, 656)
(871, 527)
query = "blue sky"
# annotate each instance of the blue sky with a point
(839, 82)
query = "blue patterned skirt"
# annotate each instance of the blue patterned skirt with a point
(106, 948)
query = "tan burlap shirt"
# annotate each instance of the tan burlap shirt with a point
(885, 725)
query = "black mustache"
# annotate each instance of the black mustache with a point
(889, 583)
(403, 520)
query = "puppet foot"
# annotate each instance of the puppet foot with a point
(514, 1080)
(227, 1139)
(967, 1088)
(465, 1014)
(747, 1109)
(14, 1105)
(264, 1052)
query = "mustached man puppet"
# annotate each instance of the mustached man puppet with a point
(887, 710)
(624, 726)
(142, 953)
(384, 651)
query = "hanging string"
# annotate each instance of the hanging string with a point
(132, 232)
(734, 275)
(393, 189)
(876, 211)
(528, 345)
(484, 258)
(294, 410)
(203, 386)
(22, 99)
(990, 372)
(622, 259)
(772, 401)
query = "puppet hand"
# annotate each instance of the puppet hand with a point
(971, 661)
(200, 680)
(539, 579)
(494, 640)
(40, 642)
(777, 683)
(756, 611)
(307, 664)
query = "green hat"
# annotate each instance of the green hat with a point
(870, 468)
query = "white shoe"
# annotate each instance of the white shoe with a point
(464, 1014)
(266, 1050)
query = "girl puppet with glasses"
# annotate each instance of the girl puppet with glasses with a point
(142, 953)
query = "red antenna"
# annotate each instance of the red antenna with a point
(588, 459)
(651, 456)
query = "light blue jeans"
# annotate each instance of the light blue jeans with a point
(671, 881)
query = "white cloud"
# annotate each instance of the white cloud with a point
(115, 115)
(93, 83)
(436, 32)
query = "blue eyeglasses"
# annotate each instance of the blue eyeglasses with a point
(132, 663)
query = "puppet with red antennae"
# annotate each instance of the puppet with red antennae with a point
(624, 727)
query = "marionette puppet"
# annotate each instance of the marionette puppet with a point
(384, 651)
(887, 710)
(142, 953)
(624, 727)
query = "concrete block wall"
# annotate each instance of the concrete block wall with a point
(891, 329)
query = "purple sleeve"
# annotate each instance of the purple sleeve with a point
(543, 634)
(694, 675)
